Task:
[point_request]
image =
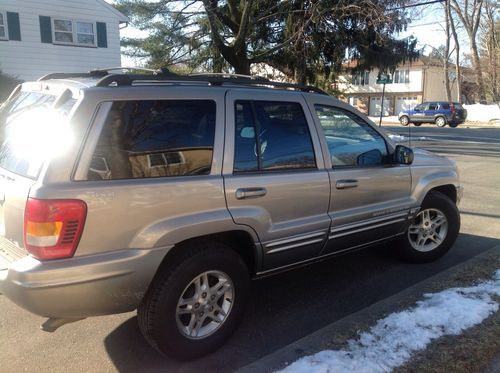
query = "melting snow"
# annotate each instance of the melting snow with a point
(393, 339)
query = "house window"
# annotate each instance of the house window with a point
(402, 76)
(3, 26)
(361, 78)
(165, 159)
(353, 101)
(74, 32)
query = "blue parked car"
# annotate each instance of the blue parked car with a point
(441, 113)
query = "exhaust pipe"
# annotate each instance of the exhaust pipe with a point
(52, 324)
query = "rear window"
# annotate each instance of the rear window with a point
(155, 138)
(31, 129)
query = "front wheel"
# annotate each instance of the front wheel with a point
(196, 301)
(432, 232)
(404, 120)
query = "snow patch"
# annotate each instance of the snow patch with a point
(391, 342)
(482, 113)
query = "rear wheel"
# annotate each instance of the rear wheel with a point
(432, 232)
(417, 124)
(440, 121)
(196, 301)
(404, 120)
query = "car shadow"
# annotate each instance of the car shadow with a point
(289, 306)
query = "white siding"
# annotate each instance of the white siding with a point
(415, 84)
(29, 58)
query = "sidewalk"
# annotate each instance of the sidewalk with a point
(476, 349)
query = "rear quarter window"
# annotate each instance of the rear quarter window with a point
(29, 127)
(155, 138)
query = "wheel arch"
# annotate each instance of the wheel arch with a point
(448, 190)
(239, 241)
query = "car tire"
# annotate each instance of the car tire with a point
(440, 121)
(417, 124)
(432, 232)
(404, 120)
(453, 125)
(177, 315)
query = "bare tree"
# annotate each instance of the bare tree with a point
(458, 70)
(469, 13)
(491, 49)
(446, 61)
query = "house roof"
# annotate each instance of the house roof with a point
(120, 15)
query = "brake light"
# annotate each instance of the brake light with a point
(452, 106)
(53, 227)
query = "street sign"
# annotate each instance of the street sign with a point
(384, 79)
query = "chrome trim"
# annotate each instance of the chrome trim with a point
(302, 243)
(366, 228)
(305, 262)
(368, 221)
(293, 239)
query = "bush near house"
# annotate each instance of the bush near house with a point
(7, 84)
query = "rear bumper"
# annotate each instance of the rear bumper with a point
(79, 287)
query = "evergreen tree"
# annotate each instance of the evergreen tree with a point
(302, 39)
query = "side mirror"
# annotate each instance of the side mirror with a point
(247, 133)
(403, 155)
(370, 158)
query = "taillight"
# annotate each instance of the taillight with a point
(53, 227)
(452, 106)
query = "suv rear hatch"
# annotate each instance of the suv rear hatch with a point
(28, 125)
(460, 111)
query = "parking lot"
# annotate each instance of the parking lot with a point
(285, 307)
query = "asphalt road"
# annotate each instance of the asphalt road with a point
(282, 308)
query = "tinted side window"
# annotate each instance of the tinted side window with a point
(351, 141)
(271, 136)
(433, 106)
(155, 138)
(445, 106)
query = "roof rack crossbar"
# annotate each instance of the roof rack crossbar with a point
(213, 79)
(100, 73)
(72, 75)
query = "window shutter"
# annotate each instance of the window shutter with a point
(13, 26)
(102, 37)
(45, 29)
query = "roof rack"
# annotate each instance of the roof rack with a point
(209, 78)
(165, 76)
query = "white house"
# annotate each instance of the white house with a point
(38, 37)
(412, 83)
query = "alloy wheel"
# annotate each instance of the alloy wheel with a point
(428, 231)
(205, 304)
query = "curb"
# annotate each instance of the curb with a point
(312, 343)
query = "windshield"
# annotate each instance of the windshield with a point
(32, 127)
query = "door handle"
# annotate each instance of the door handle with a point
(243, 193)
(346, 184)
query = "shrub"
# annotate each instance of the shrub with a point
(7, 84)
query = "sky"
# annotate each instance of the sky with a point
(427, 26)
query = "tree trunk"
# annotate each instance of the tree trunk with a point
(447, 52)
(477, 69)
(458, 71)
